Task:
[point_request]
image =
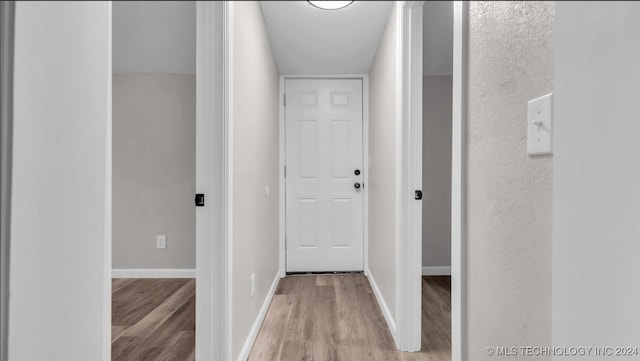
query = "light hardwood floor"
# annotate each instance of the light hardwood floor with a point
(336, 317)
(153, 320)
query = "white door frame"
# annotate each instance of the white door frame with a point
(212, 179)
(409, 255)
(409, 178)
(459, 182)
(365, 171)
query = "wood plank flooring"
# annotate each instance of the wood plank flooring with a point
(336, 317)
(153, 319)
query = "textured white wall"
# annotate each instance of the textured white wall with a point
(596, 196)
(154, 170)
(60, 165)
(256, 162)
(436, 171)
(382, 174)
(509, 194)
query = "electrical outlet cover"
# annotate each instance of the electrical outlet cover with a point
(161, 241)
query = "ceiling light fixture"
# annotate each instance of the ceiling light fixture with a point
(330, 5)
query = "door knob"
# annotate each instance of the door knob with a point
(356, 172)
(356, 185)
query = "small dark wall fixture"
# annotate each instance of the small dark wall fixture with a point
(199, 200)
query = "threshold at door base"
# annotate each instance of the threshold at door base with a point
(324, 273)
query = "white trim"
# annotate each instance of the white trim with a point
(459, 180)
(153, 273)
(391, 323)
(436, 271)
(228, 8)
(253, 332)
(399, 220)
(211, 264)
(365, 154)
(365, 170)
(106, 278)
(282, 206)
(409, 177)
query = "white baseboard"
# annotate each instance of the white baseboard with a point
(383, 306)
(253, 332)
(153, 273)
(436, 271)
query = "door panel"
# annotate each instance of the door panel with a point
(340, 223)
(308, 219)
(308, 141)
(324, 210)
(340, 159)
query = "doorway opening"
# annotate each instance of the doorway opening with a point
(437, 95)
(154, 180)
(406, 259)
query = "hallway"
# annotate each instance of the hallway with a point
(336, 317)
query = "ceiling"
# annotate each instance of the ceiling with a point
(154, 37)
(307, 40)
(159, 36)
(438, 38)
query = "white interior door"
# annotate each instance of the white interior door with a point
(324, 175)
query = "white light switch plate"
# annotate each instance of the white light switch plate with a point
(539, 125)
